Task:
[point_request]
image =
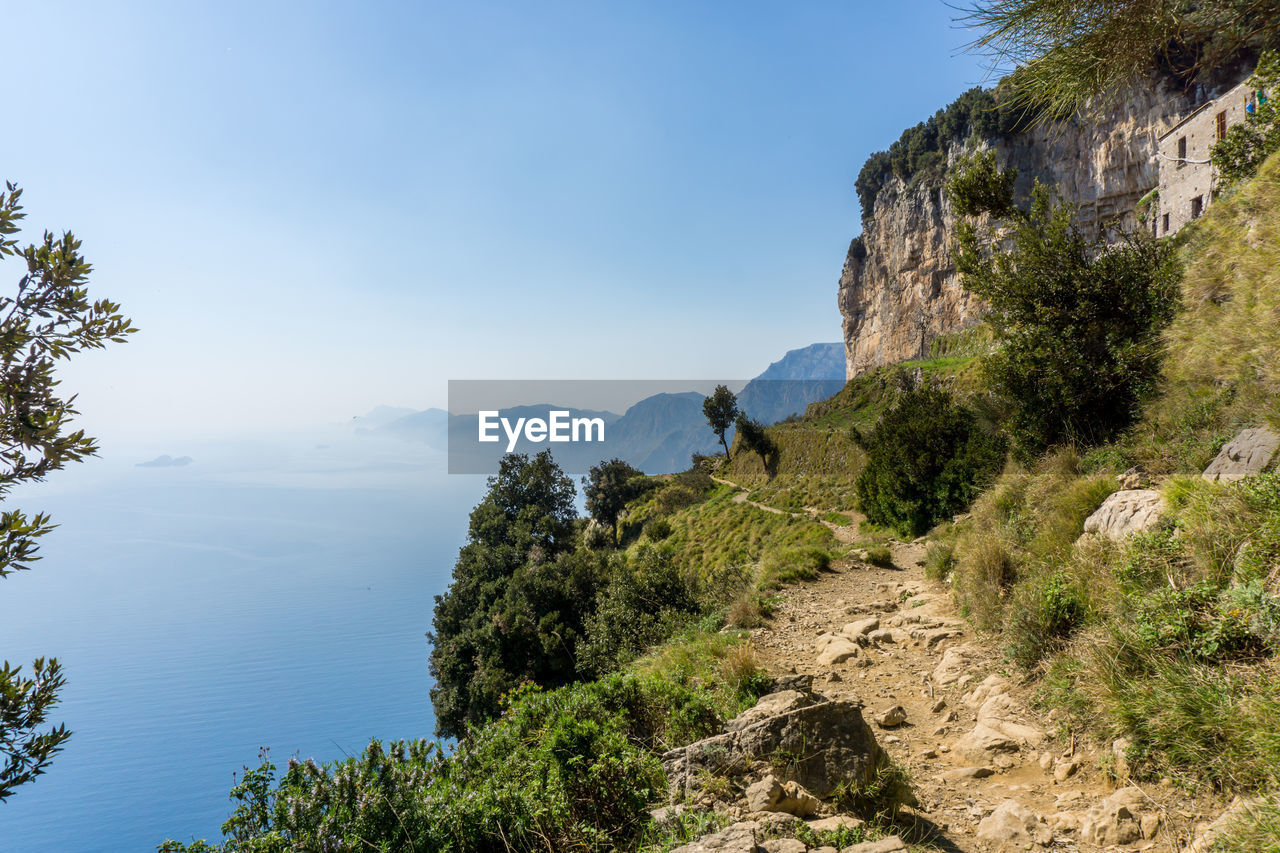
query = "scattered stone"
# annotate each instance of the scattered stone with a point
(939, 706)
(770, 795)
(1120, 753)
(835, 824)
(737, 838)
(929, 753)
(834, 677)
(966, 773)
(891, 844)
(884, 635)
(861, 628)
(892, 718)
(1114, 820)
(837, 650)
(1125, 512)
(1248, 453)
(783, 845)
(801, 683)
(956, 662)
(1135, 478)
(1014, 823)
(1149, 825)
(1064, 770)
(1046, 762)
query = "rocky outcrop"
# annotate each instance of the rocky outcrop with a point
(824, 743)
(899, 289)
(1124, 513)
(1247, 454)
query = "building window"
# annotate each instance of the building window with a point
(1164, 224)
(1182, 151)
(1222, 124)
(1197, 206)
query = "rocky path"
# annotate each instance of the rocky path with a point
(988, 772)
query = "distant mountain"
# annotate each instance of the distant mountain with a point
(430, 426)
(166, 461)
(791, 383)
(658, 434)
(379, 416)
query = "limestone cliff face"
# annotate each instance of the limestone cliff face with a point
(899, 288)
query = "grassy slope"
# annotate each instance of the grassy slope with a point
(1168, 639)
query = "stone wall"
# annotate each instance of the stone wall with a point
(1187, 179)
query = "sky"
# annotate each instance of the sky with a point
(313, 208)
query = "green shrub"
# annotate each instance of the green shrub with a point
(1078, 322)
(792, 565)
(1044, 612)
(939, 561)
(880, 555)
(646, 600)
(927, 459)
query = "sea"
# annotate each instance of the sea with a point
(269, 593)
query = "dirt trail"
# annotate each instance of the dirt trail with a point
(970, 741)
(844, 533)
(899, 666)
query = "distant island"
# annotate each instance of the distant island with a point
(166, 461)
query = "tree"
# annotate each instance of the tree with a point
(755, 439)
(927, 459)
(608, 488)
(49, 319)
(1065, 53)
(514, 611)
(1077, 321)
(721, 408)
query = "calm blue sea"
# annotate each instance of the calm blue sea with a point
(270, 594)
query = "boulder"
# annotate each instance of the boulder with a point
(1000, 726)
(1124, 513)
(1248, 453)
(827, 743)
(961, 773)
(770, 706)
(1012, 823)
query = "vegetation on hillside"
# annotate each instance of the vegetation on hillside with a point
(1077, 322)
(1170, 639)
(927, 458)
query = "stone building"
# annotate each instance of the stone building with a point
(1188, 180)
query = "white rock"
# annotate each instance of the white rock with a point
(1248, 453)
(1125, 512)
(1014, 823)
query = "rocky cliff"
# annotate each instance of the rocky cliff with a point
(899, 288)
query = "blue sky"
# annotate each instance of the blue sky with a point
(313, 208)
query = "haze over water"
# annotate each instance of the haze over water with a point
(273, 593)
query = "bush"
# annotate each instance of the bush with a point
(1043, 614)
(1078, 322)
(927, 459)
(646, 600)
